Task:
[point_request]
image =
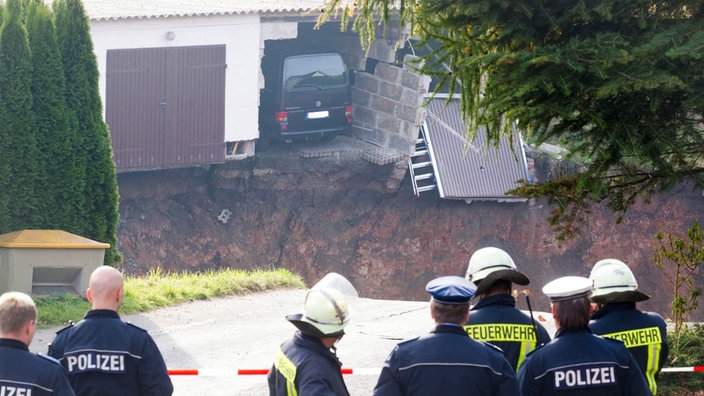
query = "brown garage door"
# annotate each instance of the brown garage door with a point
(166, 106)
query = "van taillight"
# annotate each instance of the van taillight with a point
(282, 119)
(282, 116)
(348, 113)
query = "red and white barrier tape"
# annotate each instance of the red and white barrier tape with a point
(682, 369)
(229, 372)
(348, 371)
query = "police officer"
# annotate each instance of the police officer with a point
(446, 361)
(495, 318)
(578, 362)
(307, 364)
(23, 373)
(106, 356)
(644, 333)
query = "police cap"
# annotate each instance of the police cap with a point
(568, 288)
(451, 290)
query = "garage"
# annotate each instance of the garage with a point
(166, 106)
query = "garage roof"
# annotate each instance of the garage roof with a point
(56, 239)
(471, 170)
(144, 9)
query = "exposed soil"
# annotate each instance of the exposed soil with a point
(338, 212)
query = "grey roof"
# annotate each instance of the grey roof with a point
(142, 9)
(473, 169)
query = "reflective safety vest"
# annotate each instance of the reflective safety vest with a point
(495, 319)
(578, 362)
(522, 335)
(304, 366)
(288, 370)
(644, 333)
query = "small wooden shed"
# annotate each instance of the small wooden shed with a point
(42, 262)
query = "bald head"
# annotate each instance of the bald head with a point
(105, 288)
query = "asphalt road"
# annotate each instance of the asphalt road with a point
(244, 332)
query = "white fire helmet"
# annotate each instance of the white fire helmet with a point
(487, 260)
(613, 282)
(326, 311)
(489, 264)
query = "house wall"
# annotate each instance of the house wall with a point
(239, 33)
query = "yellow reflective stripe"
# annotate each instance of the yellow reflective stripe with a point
(501, 332)
(649, 337)
(286, 367)
(653, 366)
(523, 334)
(640, 337)
(525, 348)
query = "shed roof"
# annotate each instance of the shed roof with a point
(56, 239)
(145, 9)
(471, 170)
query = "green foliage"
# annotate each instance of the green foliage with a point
(157, 290)
(82, 95)
(690, 353)
(44, 150)
(679, 259)
(17, 126)
(59, 203)
(619, 82)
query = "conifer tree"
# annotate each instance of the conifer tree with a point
(20, 173)
(82, 95)
(617, 83)
(61, 191)
(5, 158)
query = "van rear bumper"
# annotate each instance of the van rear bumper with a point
(316, 133)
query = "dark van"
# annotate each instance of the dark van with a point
(306, 96)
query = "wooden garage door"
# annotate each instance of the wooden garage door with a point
(166, 106)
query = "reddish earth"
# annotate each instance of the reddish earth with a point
(340, 213)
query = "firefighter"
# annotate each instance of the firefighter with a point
(307, 364)
(446, 361)
(578, 362)
(644, 333)
(495, 318)
(23, 372)
(106, 356)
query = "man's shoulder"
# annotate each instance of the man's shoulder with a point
(409, 342)
(134, 327)
(48, 360)
(63, 329)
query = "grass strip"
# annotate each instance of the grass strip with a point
(157, 290)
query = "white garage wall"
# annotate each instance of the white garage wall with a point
(239, 33)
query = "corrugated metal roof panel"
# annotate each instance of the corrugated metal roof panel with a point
(138, 9)
(470, 169)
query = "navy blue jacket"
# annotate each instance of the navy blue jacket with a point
(496, 319)
(644, 333)
(25, 373)
(106, 356)
(580, 363)
(305, 367)
(445, 362)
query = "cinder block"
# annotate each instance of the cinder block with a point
(361, 98)
(391, 91)
(384, 105)
(366, 82)
(387, 72)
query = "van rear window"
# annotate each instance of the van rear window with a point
(314, 71)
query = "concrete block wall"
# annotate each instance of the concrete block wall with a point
(388, 107)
